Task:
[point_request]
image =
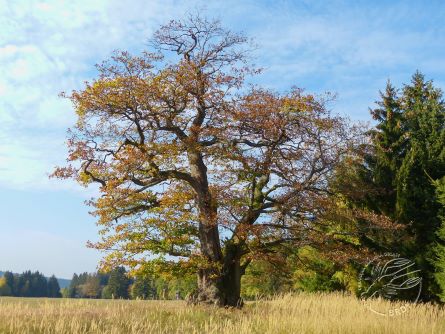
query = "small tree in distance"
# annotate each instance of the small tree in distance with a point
(91, 288)
(53, 287)
(118, 284)
(198, 172)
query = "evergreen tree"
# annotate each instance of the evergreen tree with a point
(388, 145)
(103, 278)
(53, 288)
(142, 289)
(30, 284)
(407, 149)
(73, 286)
(439, 248)
(9, 279)
(39, 285)
(417, 205)
(118, 283)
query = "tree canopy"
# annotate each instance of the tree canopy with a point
(201, 172)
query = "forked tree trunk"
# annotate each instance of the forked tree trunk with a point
(222, 287)
(216, 285)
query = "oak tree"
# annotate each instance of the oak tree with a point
(198, 171)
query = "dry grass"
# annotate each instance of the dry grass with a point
(301, 313)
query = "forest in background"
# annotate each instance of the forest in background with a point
(29, 284)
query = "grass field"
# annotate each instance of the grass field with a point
(302, 313)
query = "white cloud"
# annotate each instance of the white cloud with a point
(51, 46)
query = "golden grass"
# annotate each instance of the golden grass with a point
(302, 313)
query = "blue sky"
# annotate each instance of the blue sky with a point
(347, 47)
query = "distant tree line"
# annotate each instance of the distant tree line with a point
(29, 284)
(117, 284)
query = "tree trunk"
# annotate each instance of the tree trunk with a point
(224, 290)
(208, 288)
(231, 277)
(220, 282)
(223, 287)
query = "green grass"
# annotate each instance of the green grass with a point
(302, 313)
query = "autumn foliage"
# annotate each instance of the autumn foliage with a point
(199, 171)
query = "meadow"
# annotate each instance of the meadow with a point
(301, 313)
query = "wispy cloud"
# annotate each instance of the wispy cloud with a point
(348, 47)
(46, 48)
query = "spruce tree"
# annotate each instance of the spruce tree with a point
(118, 283)
(388, 147)
(406, 151)
(142, 289)
(424, 158)
(72, 289)
(438, 258)
(10, 278)
(53, 287)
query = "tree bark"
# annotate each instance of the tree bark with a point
(208, 277)
(220, 282)
(231, 276)
(222, 287)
